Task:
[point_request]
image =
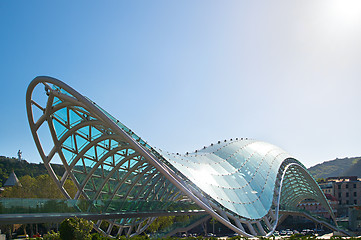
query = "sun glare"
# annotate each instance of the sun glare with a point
(345, 12)
(203, 177)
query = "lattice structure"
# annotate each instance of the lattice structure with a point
(104, 167)
(240, 182)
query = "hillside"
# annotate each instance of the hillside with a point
(23, 168)
(337, 167)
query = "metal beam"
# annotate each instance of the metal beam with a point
(57, 217)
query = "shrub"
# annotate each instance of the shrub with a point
(52, 236)
(75, 229)
(99, 236)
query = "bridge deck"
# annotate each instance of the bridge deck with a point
(58, 217)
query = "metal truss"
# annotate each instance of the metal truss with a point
(111, 166)
(104, 167)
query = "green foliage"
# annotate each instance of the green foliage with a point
(140, 237)
(98, 236)
(320, 180)
(160, 223)
(337, 167)
(122, 238)
(23, 168)
(236, 238)
(75, 229)
(295, 236)
(40, 187)
(52, 236)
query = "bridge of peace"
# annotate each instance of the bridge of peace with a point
(249, 186)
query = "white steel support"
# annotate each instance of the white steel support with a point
(165, 182)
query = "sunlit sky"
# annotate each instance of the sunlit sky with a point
(184, 74)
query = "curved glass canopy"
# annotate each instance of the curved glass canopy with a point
(239, 174)
(241, 182)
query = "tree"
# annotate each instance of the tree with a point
(26, 191)
(75, 229)
(161, 223)
(40, 187)
(320, 180)
(52, 236)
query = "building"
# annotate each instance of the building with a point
(243, 183)
(313, 206)
(12, 180)
(355, 219)
(327, 187)
(347, 190)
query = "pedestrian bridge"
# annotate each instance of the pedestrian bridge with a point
(22, 210)
(25, 210)
(240, 182)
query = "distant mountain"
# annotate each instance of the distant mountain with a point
(337, 167)
(22, 168)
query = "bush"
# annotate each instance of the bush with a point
(99, 236)
(75, 229)
(52, 236)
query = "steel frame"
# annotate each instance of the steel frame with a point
(139, 172)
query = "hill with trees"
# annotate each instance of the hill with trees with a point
(337, 167)
(23, 168)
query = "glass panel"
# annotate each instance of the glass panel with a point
(259, 209)
(242, 210)
(59, 128)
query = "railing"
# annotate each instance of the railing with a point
(182, 222)
(23, 205)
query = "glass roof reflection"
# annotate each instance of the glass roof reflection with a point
(238, 174)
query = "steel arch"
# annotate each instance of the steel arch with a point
(107, 161)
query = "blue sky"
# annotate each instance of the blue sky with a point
(184, 74)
